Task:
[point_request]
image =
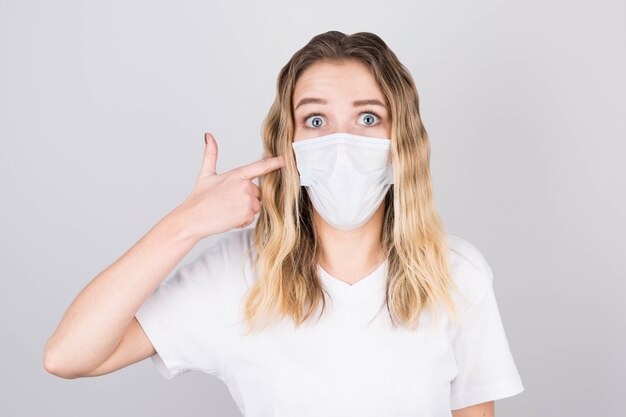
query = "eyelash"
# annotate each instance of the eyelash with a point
(321, 114)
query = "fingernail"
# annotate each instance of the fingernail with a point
(205, 139)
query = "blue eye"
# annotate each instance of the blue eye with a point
(317, 118)
(368, 114)
(316, 125)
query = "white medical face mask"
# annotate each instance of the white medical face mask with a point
(346, 176)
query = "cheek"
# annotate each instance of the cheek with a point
(386, 129)
(381, 131)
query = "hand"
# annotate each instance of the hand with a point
(220, 202)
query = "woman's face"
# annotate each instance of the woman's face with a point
(339, 97)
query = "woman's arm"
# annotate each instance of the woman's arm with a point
(94, 324)
(100, 324)
(478, 410)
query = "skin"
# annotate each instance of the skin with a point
(349, 255)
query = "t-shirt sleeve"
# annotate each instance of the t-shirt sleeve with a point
(183, 319)
(487, 370)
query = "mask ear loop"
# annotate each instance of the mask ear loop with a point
(390, 177)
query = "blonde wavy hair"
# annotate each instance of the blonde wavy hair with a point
(412, 235)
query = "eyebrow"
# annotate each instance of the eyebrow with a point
(357, 103)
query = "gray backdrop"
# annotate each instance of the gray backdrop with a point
(103, 109)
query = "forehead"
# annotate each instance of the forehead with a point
(333, 80)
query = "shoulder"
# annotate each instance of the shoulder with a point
(228, 248)
(469, 268)
(228, 259)
(462, 251)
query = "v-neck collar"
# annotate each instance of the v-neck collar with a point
(374, 281)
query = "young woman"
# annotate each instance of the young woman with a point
(346, 298)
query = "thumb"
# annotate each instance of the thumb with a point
(209, 160)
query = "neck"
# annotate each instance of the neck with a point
(350, 255)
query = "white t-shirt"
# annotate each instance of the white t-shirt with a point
(350, 363)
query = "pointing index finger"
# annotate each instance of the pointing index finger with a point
(261, 167)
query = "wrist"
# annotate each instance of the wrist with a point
(177, 224)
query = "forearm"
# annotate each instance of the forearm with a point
(95, 322)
